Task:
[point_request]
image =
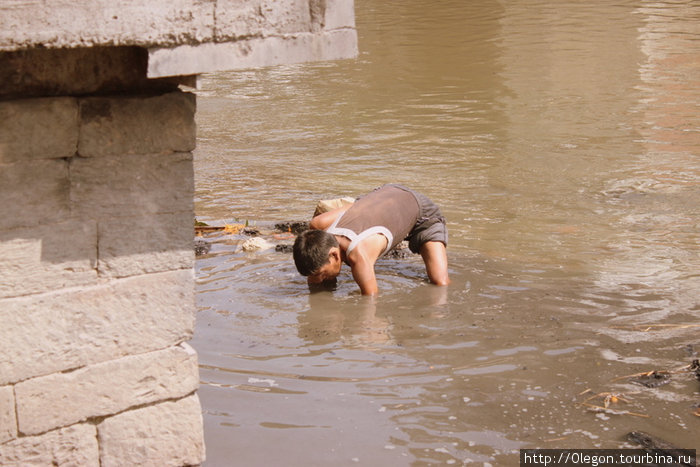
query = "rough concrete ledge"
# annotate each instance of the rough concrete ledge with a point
(183, 37)
(253, 53)
(162, 23)
(69, 24)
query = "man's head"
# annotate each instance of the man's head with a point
(317, 255)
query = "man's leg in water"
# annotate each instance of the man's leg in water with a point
(435, 258)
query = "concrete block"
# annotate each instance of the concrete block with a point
(103, 389)
(137, 125)
(236, 19)
(71, 446)
(337, 44)
(169, 433)
(339, 14)
(68, 24)
(8, 421)
(132, 185)
(68, 329)
(47, 257)
(145, 244)
(34, 192)
(38, 129)
(253, 53)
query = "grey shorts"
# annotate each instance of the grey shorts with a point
(430, 226)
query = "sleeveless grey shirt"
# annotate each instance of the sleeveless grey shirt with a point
(390, 210)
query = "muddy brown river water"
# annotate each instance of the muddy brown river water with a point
(562, 141)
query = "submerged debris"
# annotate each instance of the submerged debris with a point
(695, 368)
(234, 228)
(653, 444)
(278, 237)
(296, 227)
(609, 398)
(605, 410)
(652, 379)
(690, 350)
(202, 229)
(256, 243)
(201, 247)
(649, 379)
(656, 378)
(251, 231)
(284, 248)
(400, 251)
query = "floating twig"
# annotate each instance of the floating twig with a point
(608, 398)
(656, 378)
(601, 409)
(551, 440)
(656, 327)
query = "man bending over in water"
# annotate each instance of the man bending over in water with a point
(358, 234)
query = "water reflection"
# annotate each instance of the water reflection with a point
(559, 139)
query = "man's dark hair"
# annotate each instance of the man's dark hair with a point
(311, 250)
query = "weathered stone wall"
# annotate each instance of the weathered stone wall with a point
(96, 297)
(96, 218)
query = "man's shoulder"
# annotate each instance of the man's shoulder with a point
(371, 246)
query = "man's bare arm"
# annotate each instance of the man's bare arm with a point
(361, 261)
(325, 220)
(363, 273)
